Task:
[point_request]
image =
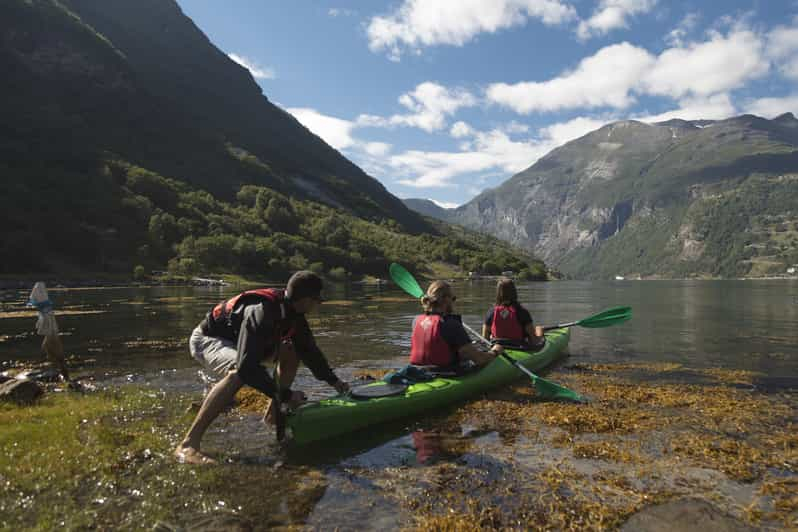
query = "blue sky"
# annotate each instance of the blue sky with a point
(441, 99)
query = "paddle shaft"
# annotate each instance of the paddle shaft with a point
(507, 357)
(560, 326)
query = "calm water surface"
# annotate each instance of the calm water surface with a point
(732, 324)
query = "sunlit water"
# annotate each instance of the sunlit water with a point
(732, 324)
(138, 335)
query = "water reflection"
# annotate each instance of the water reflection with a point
(735, 324)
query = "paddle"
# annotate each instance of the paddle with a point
(546, 388)
(605, 318)
(408, 283)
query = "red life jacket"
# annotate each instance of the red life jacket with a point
(427, 345)
(222, 314)
(506, 324)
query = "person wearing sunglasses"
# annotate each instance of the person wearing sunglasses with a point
(439, 338)
(237, 335)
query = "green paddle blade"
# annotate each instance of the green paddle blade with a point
(546, 389)
(550, 390)
(405, 280)
(607, 318)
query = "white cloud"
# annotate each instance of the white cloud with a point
(562, 132)
(419, 23)
(610, 15)
(461, 129)
(677, 35)
(337, 132)
(377, 149)
(782, 47)
(603, 79)
(773, 107)
(435, 169)
(720, 64)
(429, 105)
(492, 150)
(444, 204)
(334, 131)
(614, 75)
(715, 107)
(257, 71)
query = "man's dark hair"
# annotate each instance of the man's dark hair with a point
(506, 294)
(303, 284)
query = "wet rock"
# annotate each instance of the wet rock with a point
(20, 391)
(683, 515)
(41, 375)
(5, 378)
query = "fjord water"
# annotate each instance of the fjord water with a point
(376, 479)
(748, 325)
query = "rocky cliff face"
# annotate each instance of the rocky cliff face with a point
(671, 199)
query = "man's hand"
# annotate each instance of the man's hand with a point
(341, 387)
(297, 398)
(497, 350)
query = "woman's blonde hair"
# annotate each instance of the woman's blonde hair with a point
(435, 293)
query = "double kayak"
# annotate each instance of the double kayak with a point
(343, 414)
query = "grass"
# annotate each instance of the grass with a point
(104, 461)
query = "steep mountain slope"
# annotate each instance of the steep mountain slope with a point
(127, 139)
(671, 199)
(139, 80)
(427, 208)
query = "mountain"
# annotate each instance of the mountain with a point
(140, 80)
(672, 199)
(128, 139)
(427, 208)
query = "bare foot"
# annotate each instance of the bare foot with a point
(189, 455)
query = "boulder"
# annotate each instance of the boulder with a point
(684, 515)
(20, 391)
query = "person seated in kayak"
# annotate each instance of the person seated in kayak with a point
(237, 335)
(439, 338)
(508, 322)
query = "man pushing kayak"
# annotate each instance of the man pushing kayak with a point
(255, 326)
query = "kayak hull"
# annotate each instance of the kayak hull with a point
(341, 414)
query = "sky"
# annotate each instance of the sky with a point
(441, 99)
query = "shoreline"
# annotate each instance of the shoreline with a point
(105, 281)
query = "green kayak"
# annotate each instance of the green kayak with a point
(340, 415)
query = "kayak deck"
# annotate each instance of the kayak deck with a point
(342, 414)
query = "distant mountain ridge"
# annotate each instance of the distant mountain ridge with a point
(677, 198)
(428, 208)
